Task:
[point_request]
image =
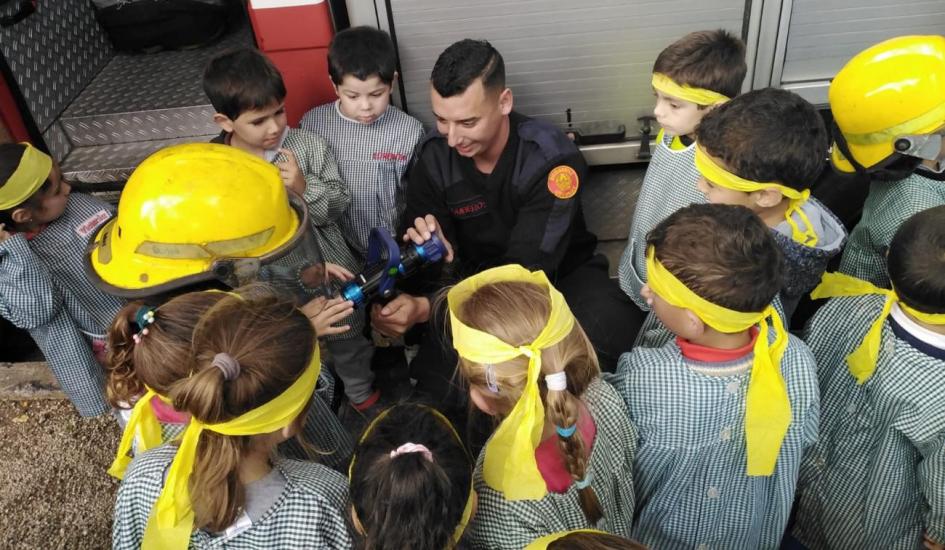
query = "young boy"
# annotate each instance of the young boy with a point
(764, 150)
(889, 106)
(44, 230)
(248, 94)
(725, 410)
(690, 77)
(876, 477)
(372, 140)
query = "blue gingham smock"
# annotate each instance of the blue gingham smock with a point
(689, 471)
(876, 478)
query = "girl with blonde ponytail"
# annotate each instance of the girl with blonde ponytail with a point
(561, 457)
(253, 369)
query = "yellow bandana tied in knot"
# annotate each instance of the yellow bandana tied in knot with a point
(767, 406)
(468, 509)
(862, 362)
(143, 422)
(717, 175)
(29, 176)
(172, 518)
(699, 96)
(509, 465)
(543, 542)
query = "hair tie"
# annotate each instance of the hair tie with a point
(229, 366)
(565, 433)
(557, 381)
(491, 381)
(582, 484)
(143, 318)
(408, 448)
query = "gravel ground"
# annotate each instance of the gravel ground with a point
(54, 489)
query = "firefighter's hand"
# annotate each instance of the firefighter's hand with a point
(291, 174)
(421, 231)
(323, 313)
(335, 271)
(4, 234)
(400, 314)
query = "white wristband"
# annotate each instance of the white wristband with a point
(557, 381)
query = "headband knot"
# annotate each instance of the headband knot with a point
(408, 448)
(227, 364)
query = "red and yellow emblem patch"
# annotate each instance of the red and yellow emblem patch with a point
(563, 181)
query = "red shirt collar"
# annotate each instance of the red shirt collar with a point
(705, 354)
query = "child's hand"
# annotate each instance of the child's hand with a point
(290, 172)
(322, 313)
(931, 544)
(4, 234)
(335, 271)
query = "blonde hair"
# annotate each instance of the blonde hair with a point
(516, 312)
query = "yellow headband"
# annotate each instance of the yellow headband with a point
(862, 361)
(143, 418)
(33, 170)
(509, 465)
(717, 175)
(467, 511)
(767, 407)
(699, 96)
(172, 518)
(543, 542)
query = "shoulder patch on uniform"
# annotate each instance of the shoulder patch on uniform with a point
(563, 181)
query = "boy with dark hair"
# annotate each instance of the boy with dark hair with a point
(372, 140)
(888, 104)
(44, 231)
(690, 77)
(764, 150)
(876, 477)
(248, 93)
(726, 409)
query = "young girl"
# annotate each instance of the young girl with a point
(411, 482)
(149, 350)
(44, 229)
(561, 457)
(254, 366)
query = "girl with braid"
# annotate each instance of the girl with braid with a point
(561, 456)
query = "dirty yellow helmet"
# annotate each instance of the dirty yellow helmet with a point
(886, 98)
(195, 213)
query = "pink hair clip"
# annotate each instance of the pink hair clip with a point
(407, 448)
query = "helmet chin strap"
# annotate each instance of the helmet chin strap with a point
(923, 146)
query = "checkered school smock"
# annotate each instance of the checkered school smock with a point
(876, 478)
(309, 513)
(689, 471)
(888, 205)
(373, 160)
(44, 289)
(501, 524)
(669, 184)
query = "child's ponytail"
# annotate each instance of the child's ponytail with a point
(122, 386)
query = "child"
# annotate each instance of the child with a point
(44, 231)
(763, 150)
(561, 457)
(584, 539)
(372, 140)
(876, 478)
(725, 410)
(248, 93)
(255, 364)
(411, 482)
(887, 103)
(690, 77)
(149, 350)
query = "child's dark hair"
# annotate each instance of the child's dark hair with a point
(594, 541)
(714, 60)
(723, 253)
(362, 52)
(463, 62)
(409, 501)
(273, 342)
(242, 80)
(159, 358)
(767, 135)
(10, 155)
(916, 261)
